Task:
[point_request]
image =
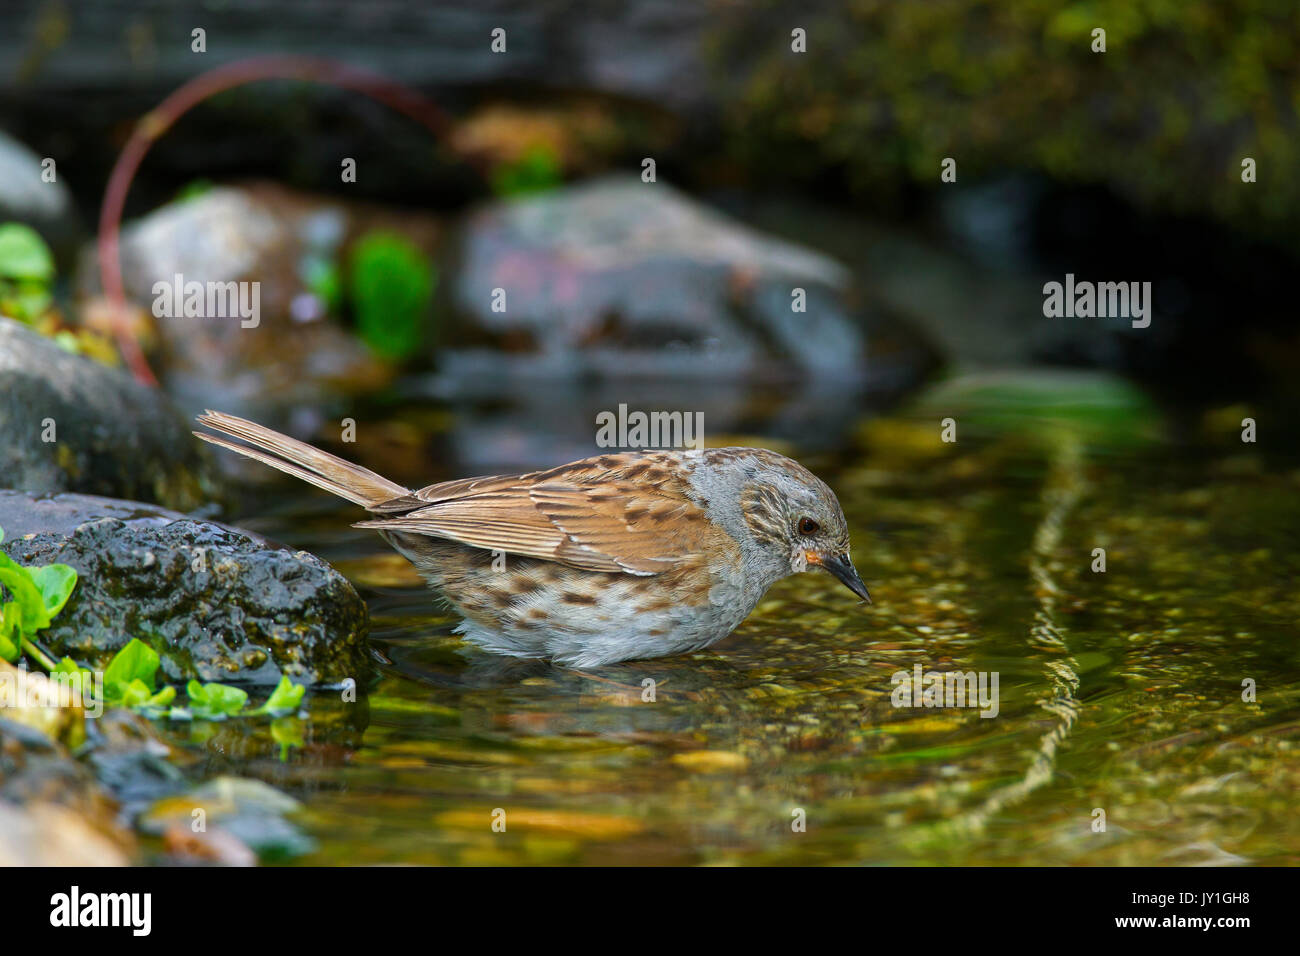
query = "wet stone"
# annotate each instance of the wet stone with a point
(216, 602)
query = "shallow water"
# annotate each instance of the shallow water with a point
(1118, 692)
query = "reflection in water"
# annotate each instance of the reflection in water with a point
(1063, 488)
(1120, 691)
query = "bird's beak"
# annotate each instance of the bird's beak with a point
(843, 569)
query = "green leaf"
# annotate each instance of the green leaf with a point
(390, 286)
(136, 661)
(66, 665)
(55, 582)
(18, 580)
(160, 700)
(135, 694)
(10, 646)
(24, 254)
(138, 695)
(284, 699)
(287, 732)
(215, 701)
(25, 302)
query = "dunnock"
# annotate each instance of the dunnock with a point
(616, 557)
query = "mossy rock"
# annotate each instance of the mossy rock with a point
(215, 602)
(1182, 94)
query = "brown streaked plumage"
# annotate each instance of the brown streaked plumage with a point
(615, 557)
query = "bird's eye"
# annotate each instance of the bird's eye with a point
(808, 527)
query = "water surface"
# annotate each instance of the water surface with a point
(1120, 692)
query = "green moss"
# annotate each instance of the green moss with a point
(1184, 91)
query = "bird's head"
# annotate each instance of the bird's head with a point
(794, 514)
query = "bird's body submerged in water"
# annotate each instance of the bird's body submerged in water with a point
(612, 558)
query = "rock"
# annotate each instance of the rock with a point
(52, 811)
(185, 845)
(619, 278)
(26, 197)
(33, 700)
(531, 820)
(246, 813)
(289, 352)
(711, 761)
(50, 835)
(112, 436)
(215, 602)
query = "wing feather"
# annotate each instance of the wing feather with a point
(582, 515)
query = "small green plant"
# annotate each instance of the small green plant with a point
(37, 594)
(26, 272)
(129, 678)
(536, 171)
(26, 294)
(390, 285)
(129, 681)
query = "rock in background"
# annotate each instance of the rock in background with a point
(25, 196)
(296, 353)
(111, 435)
(624, 279)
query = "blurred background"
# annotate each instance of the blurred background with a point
(774, 169)
(792, 146)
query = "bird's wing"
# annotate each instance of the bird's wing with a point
(588, 515)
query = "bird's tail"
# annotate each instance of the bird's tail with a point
(359, 485)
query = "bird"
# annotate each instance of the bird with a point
(621, 556)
